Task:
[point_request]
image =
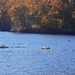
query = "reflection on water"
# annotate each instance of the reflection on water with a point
(25, 56)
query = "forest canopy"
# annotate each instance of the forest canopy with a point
(39, 16)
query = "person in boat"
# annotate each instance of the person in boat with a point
(45, 47)
(3, 46)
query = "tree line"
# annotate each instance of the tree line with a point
(41, 16)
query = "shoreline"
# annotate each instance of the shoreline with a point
(61, 33)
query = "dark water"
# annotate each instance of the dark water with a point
(25, 56)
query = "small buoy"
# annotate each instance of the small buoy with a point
(68, 40)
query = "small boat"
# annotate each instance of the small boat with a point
(3, 46)
(45, 47)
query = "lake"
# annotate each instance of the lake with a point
(25, 56)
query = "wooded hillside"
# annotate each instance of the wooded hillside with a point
(38, 16)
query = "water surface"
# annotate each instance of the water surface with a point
(25, 56)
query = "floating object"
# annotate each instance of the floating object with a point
(45, 47)
(68, 40)
(3, 46)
